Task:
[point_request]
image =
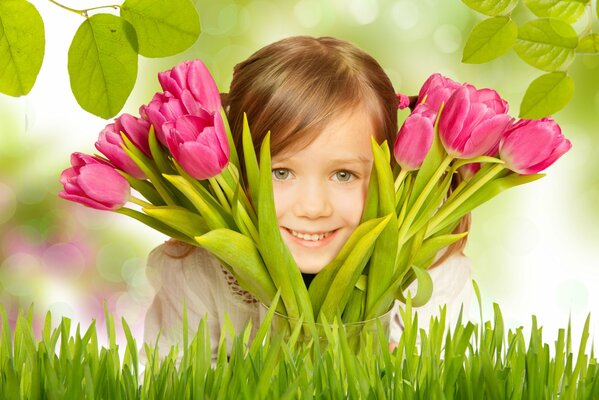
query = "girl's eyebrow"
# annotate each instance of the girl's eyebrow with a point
(351, 160)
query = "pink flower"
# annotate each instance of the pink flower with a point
(437, 89)
(199, 144)
(110, 142)
(415, 138)
(94, 183)
(472, 122)
(530, 146)
(194, 77)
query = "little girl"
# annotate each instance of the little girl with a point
(321, 99)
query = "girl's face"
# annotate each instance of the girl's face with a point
(320, 190)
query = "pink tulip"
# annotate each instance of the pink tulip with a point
(194, 77)
(415, 138)
(437, 89)
(199, 144)
(472, 122)
(94, 183)
(164, 107)
(110, 142)
(530, 146)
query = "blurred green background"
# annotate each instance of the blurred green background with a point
(534, 249)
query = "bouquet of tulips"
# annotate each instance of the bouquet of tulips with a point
(179, 156)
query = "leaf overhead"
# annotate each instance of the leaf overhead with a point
(163, 27)
(548, 44)
(22, 45)
(103, 64)
(492, 8)
(546, 95)
(566, 10)
(490, 39)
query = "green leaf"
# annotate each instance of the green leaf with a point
(432, 246)
(548, 44)
(588, 44)
(546, 95)
(103, 64)
(240, 252)
(251, 163)
(163, 27)
(489, 40)
(566, 10)
(492, 7)
(424, 290)
(181, 219)
(22, 44)
(348, 274)
(277, 257)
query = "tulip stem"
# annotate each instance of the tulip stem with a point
(400, 177)
(402, 237)
(84, 12)
(139, 202)
(451, 206)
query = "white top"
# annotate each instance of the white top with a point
(179, 272)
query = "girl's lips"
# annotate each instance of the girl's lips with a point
(309, 243)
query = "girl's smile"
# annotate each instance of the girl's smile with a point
(320, 190)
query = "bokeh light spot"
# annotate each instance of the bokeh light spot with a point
(364, 11)
(308, 13)
(64, 260)
(573, 296)
(19, 274)
(8, 203)
(405, 14)
(447, 38)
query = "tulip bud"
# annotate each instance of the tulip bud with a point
(415, 138)
(110, 142)
(94, 183)
(530, 146)
(199, 144)
(436, 90)
(194, 77)
(472, 122)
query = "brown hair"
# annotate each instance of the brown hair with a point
(295, 86)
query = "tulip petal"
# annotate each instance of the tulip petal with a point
(84, 200)
(202, 86)
(485, 136)
(199, 161)
(104, 185)
(453, 117)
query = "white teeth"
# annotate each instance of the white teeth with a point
(314, 237)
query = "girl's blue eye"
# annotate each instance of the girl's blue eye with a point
(343, 176)
(280, 174)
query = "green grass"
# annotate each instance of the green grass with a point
(468, 361)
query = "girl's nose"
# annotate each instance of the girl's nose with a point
(313, 201)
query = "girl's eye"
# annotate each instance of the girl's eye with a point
(281, 174)
(344, 176)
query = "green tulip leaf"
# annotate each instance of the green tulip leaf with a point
(164, 27)
(492, 7)
(22, 44)
(546, 95)
(179, 218)
(589, 44)
(548, 44)
(156, 224)
(489, 40)
(241, 254)
(382, 261)
(277, 257)
(103, 64)
(425, 288)
(565, 10)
